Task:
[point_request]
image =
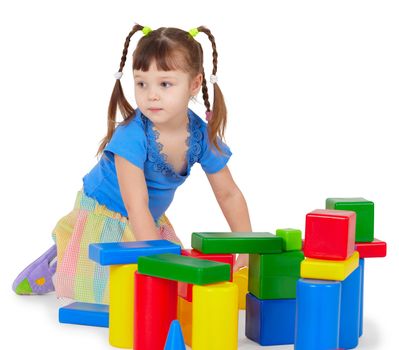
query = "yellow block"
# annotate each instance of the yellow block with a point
(215, 317)
(121, 305)
(240, 278)
(336, 270)
(185, 317)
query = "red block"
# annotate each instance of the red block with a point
(186, 289)
(330, 234)
(375, 249)
(155, 307)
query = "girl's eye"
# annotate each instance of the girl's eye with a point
(166, 84)
(140, 84)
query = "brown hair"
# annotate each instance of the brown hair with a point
(171, 49)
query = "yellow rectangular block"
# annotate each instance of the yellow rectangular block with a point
(185, 317)
(335, 270)
(121, 305)
(240, 278)
(215, 317)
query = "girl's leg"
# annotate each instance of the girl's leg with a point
(36, 278)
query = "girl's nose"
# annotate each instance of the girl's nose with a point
(153, 95)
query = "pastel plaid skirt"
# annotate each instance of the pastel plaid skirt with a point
(77, 277)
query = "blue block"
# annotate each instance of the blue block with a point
(317, 314)
(270, 322)
(361, 265)
(85, 314)
(350, 311)
(175, 340)
(119, 253)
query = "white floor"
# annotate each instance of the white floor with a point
(32, 323)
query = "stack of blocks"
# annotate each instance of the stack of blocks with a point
(272, 283)
(143, 297)
(329, 293)
(230, 243)
(311, 298)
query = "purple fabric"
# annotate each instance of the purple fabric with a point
(40, 268)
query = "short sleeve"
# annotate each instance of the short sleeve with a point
(130, 142)
(211, 159)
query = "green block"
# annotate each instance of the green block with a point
(184, 269)
(274, 276)
(292, 238)
(364, 210)
(236, 242)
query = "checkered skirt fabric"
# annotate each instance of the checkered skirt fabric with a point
(77, 277)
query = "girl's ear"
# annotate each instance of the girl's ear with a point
(196, 84)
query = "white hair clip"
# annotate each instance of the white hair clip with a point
(118, 75)
(213, 79)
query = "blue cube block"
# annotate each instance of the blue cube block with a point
(119, 253)
(270, 322)
(85, 314)
(317, 314)
(350, 311)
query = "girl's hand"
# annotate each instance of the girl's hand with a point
(242, 261)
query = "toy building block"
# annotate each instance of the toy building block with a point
(361, 266)
(185, 317)
(317, 314)
(121, 305)
(330, 234)
(292, 238)
(186, 289)
(128, 252)
(215, 317)
(175, 341)
(240, 278)
(350, 311)
(184, 269)
(364, 210)
(155, 307)
(236, 242)
(84, 314)
(274, 276)
(270, 322)
(334, 270)
(375, 249)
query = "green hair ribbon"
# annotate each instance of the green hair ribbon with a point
(193, 32)
(146, 30)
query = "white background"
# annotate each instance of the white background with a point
(312, 91)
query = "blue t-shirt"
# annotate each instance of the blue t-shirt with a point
(137, 142)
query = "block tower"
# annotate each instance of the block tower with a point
(272, 283)
(254, 243)
(329, 293)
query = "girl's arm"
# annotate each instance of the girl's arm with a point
(233, 205)
(135, 197)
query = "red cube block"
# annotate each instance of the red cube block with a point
(375, 249)
(186, 289)
(330, 234)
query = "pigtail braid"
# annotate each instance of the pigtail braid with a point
(118, 99)
(217, 124)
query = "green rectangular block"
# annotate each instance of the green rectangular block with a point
(184, 269)
(236, 242)
(364, 210)
(274, 276)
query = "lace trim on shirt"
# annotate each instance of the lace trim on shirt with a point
(159, 159)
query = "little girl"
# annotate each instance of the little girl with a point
(143, 161)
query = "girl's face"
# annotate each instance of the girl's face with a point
(163, 96)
